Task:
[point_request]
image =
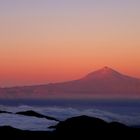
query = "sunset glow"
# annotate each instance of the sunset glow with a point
(44, 41)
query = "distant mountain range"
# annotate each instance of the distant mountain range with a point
(103, 83)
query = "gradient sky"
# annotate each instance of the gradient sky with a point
(45, 41)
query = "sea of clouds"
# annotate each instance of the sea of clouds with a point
(34, 123)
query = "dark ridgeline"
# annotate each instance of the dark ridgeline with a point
(89, 128)
(1, 111)
(31, 113)
(73, 128)
(35, 114)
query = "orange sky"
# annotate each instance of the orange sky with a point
(43, 42)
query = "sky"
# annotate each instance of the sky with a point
(44, 41)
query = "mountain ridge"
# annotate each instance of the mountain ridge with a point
(107, 71)
(105, 82)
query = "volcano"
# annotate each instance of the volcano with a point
(103, 83)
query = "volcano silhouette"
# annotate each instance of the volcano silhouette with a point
(103, 83)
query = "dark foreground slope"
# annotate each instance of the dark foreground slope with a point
(10, 133)
(77, 127)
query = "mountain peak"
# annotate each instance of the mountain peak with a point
(106, 68)
(105, 72)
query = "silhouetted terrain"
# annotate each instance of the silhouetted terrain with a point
(76, 127)
(8, 132)
(35, 114)
(1, 111)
